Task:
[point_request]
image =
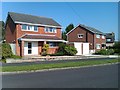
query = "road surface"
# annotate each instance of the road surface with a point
(89, 77)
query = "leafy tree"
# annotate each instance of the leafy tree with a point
(2, 30)
(68, 28)
(116, 47)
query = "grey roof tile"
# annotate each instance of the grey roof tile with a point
(92, 29)
(32, 19)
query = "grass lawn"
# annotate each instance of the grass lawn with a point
(56, 65)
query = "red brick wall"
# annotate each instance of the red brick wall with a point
(52, 50)
(99, 41)
(10, 32)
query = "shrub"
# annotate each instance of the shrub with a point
(70, 50)
(105, 52)
(6, 51)
(16, 57)
(45, 49)
(116, 47)
(66, 49)
(3, 60)
(61, 47)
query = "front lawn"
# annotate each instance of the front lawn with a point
(56, 65)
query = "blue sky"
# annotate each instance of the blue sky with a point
(100, 15)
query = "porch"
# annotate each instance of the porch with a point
(32, 44)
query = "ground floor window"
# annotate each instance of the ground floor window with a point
(98, 46)
(52, 44)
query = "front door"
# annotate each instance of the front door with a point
(30, 48)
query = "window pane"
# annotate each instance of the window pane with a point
(35, 28)
(29, 27)
(24, 27)
(29, 45)
(98, 36)
(29, 51)
(51, 29)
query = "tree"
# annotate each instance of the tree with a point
(116, 47)
(2, 30)
(68, 28)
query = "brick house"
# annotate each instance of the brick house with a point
(110, 39)
(85, 34)
(29, 33)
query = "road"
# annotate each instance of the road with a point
(88, 77)
(54, 61)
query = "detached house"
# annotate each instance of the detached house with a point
(92, 39)
(27, 34)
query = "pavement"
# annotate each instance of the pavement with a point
(55, 58)
(105, 76)
(52, 61)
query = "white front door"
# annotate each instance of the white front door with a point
(30, 48)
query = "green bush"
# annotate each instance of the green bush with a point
(66, 49)
(6, 51)
(3, 60)
(116, 47)
(70, 50)
(16, 57)
(105, 52)
(45, 49)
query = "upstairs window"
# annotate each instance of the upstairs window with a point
(108, 40)
(29, 28)
(24, 27)
(103, 37)
(80, 35)
(50, 29)
(97, 36)
(35, 28)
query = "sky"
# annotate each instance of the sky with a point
(100, 15)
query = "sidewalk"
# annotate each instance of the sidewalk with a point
(54, 58)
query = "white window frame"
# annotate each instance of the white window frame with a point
(53, 45)
(80, 35)
(22, 27)
(108, 40)
(31, 29)
(103, 37)
(48, 31)
(98, 45)
(97, 35)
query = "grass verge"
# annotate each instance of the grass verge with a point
(56, 65)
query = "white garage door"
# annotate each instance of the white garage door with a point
(78, 46)
(82, 48)
(85, 48)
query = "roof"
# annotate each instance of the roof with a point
(110, 35)
(91, 29)
(41, 37)
(18, 17)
